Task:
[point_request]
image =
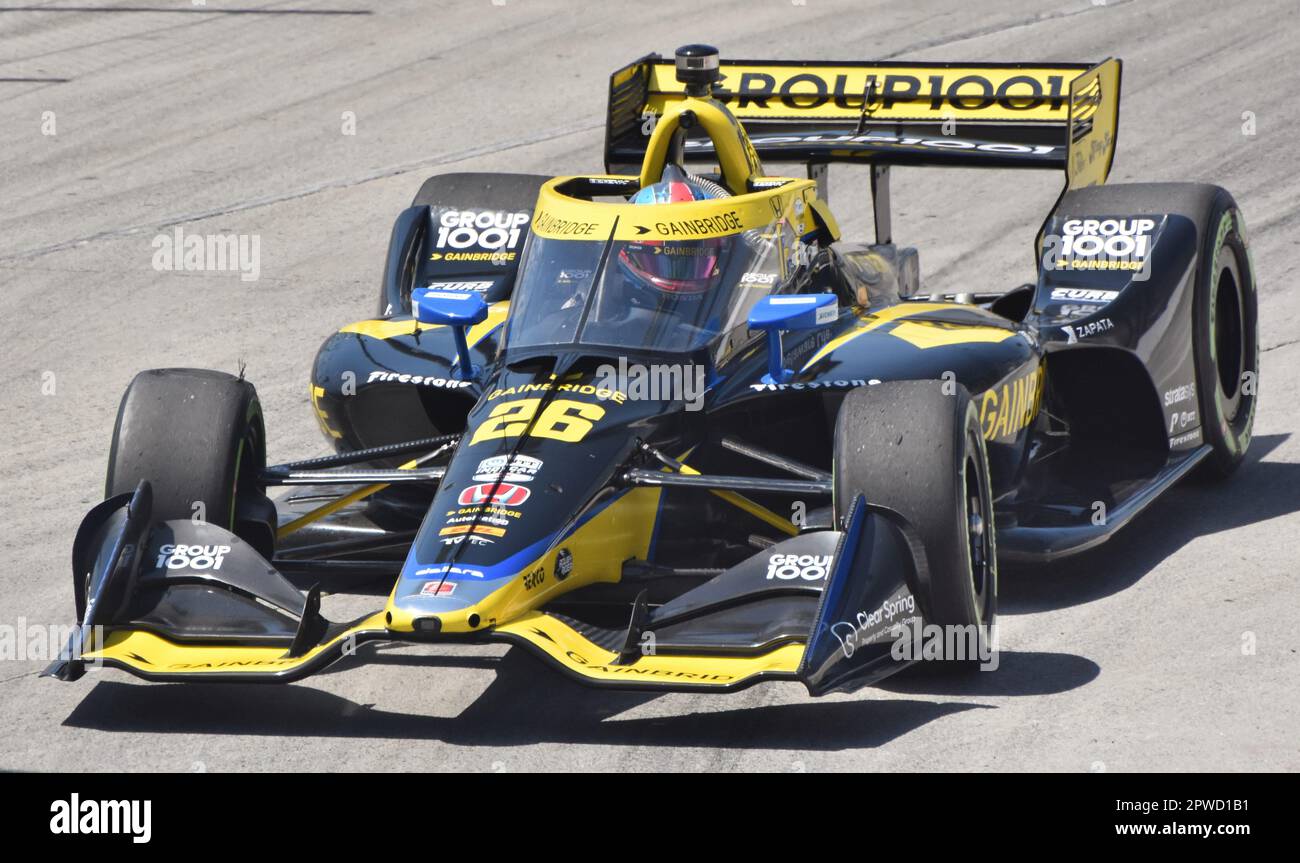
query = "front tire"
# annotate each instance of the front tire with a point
(198, 437)
(919, 450)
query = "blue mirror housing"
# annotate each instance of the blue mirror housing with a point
(778, 314)
(455, 309)
(450, 308)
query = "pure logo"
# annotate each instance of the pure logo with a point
(477, 287)
(1087, 295)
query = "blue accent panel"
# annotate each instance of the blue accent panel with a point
(777, 373)
(841, 572)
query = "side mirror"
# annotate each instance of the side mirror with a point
(777, 314)
(455, 309)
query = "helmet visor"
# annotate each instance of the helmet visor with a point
(689, 267)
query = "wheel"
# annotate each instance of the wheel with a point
(480, 191)
(198, 437)
(471, 194)
(919, 450)
(1225, 339)
(410, 245)
(1225, 335)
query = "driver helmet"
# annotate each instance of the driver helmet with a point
(671, 269)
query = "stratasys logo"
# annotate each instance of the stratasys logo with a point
(75, 816)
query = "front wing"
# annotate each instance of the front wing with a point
(722, 636)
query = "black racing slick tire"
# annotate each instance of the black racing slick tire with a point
(917, 448)
(1225, 325)
(1225, 313)
(415, 234)
(480, 191)
(199, 438)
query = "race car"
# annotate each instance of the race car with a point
(666, 429)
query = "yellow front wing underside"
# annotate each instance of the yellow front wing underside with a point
(563, 645)
(150, 655)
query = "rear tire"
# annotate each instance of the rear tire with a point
(199, 438)
(480, 191)
(914, 448)
(472, 191)
(1225, 334)
(1225, 339)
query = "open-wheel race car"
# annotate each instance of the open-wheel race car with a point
(664, 428)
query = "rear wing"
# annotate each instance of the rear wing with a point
(998, 115)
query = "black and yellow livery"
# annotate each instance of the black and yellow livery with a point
(690, 490)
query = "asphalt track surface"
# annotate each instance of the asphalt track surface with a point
(227, 118)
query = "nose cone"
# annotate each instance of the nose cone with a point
(531, 504)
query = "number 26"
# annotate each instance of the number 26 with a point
(563, 419)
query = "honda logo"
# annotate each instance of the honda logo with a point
(504, 494)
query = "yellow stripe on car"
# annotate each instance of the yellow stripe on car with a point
(936, 334)
(568, 648)
(619, 532)
(381, 328)
(322, 417)
(561, 217)
(754, 508)
(152, 654)
(919, 333)
(335, 505)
